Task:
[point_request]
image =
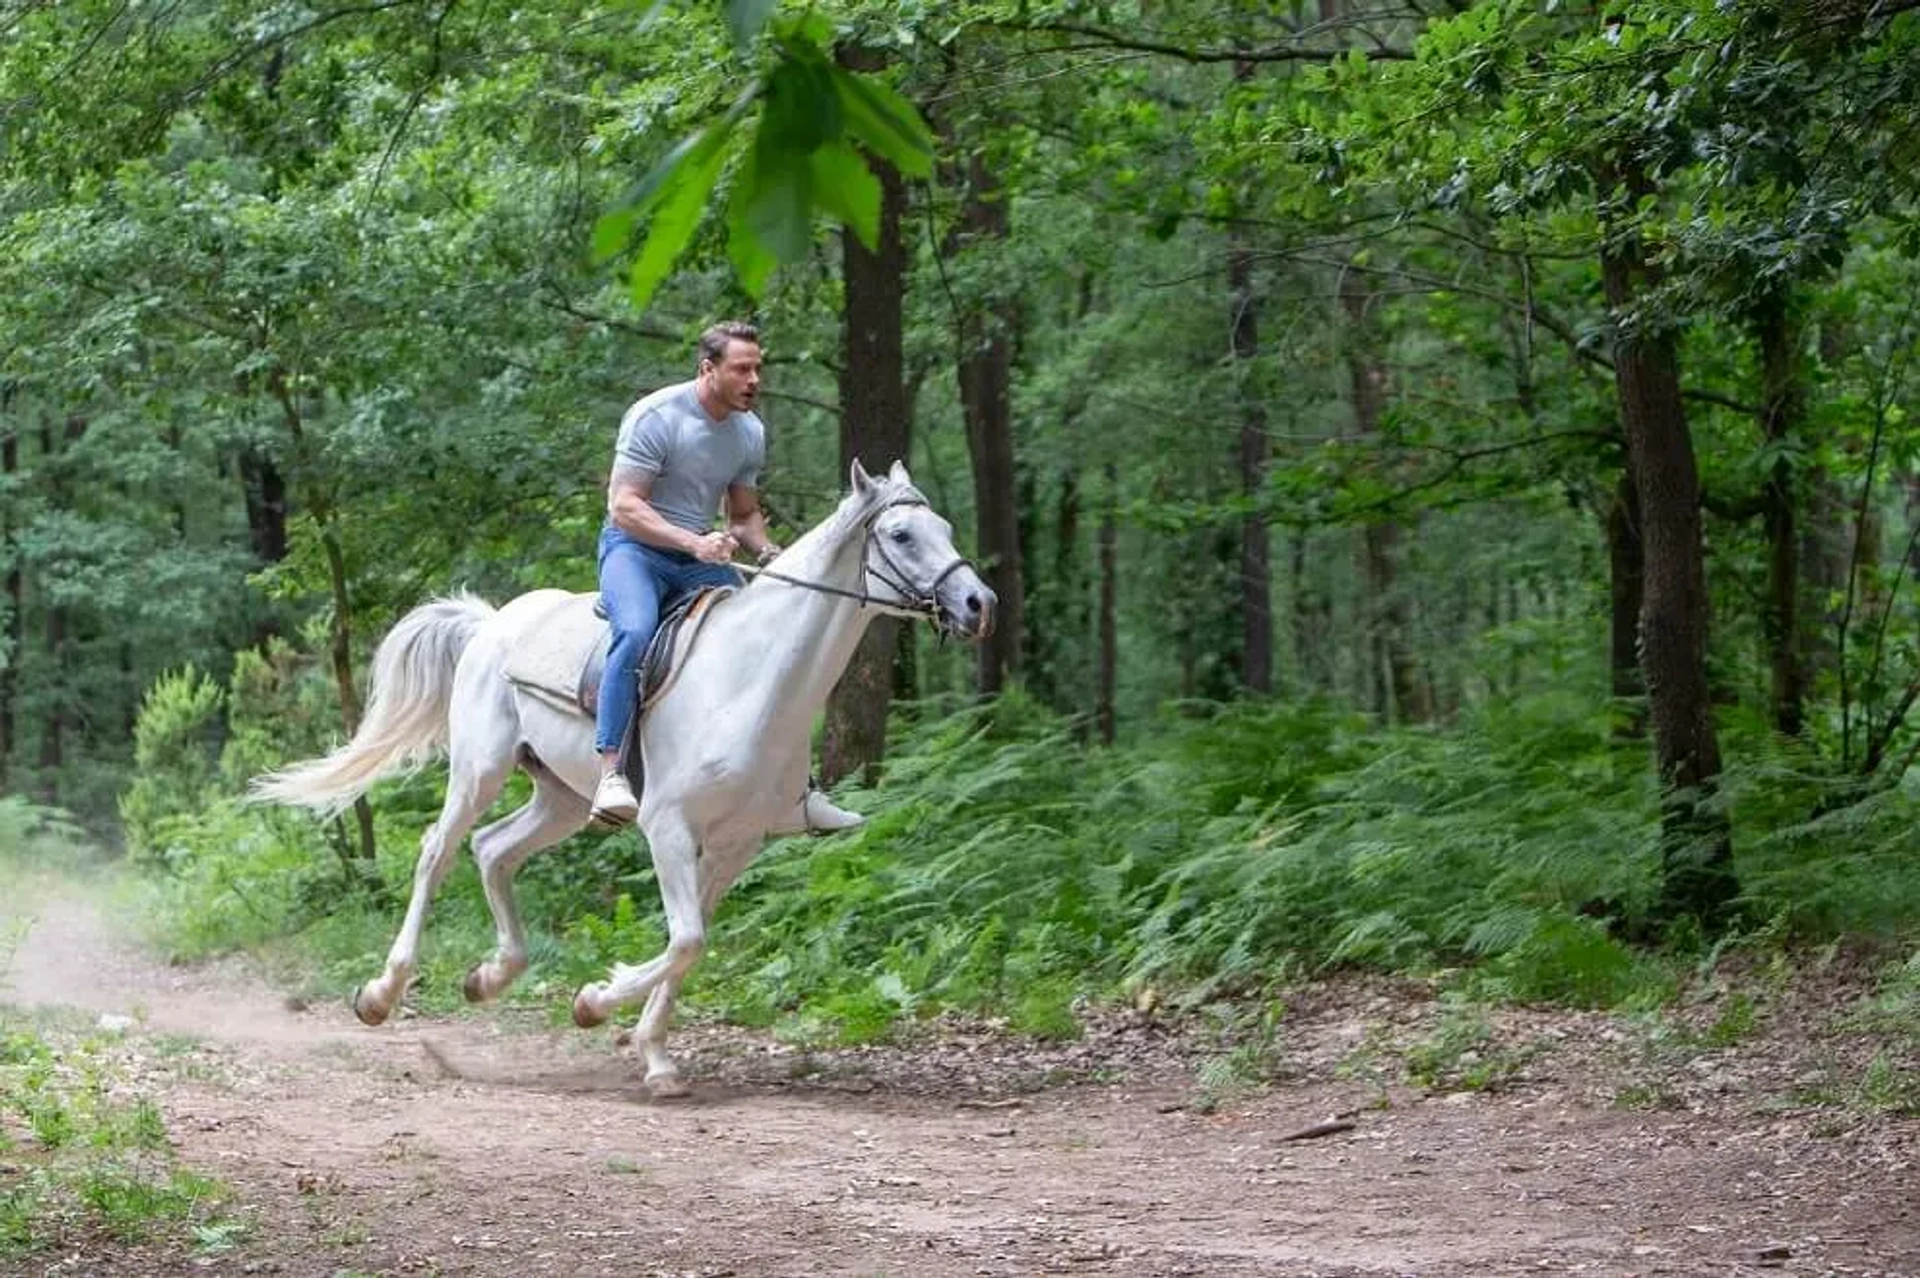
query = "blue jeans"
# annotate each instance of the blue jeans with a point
(638, 583)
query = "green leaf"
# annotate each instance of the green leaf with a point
(746, 17)
(886, 123)
(847, 189)
(614, 227)
(681, 205)
(779, 200)
(802, 110)
(612, 231)
(752, 262)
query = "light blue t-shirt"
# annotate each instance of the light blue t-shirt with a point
(691, 458)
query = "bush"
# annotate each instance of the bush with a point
(1009, 867)
(175, 755)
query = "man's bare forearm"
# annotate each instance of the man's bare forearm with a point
(750, 531)
(635, 516)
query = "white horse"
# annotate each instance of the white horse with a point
(725, 746)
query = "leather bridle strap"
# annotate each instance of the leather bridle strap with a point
(912, 599)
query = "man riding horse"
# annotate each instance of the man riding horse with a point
(680, 452)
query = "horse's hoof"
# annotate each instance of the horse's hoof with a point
(369, 1012)
(667, 1086)
(584, 1014)
(474, 987)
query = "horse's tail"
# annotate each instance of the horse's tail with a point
(406, 718)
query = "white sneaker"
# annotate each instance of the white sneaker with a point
(613, 802)
(824, 817)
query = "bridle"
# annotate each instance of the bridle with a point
(911, 599)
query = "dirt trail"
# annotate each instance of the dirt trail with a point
(489, 1146)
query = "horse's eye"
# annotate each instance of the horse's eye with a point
(902, 536)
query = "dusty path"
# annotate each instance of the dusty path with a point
(491, 1146)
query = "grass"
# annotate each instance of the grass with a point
(83, 1159)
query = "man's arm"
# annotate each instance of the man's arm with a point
(748, 523)
(630, 505)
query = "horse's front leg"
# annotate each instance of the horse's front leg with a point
(720, 866)
(676, 855)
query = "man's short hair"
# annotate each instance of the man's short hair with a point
(713, 342)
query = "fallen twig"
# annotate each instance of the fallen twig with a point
(1326, 1127)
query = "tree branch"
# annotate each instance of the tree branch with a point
(635, 328)
(1103, 38)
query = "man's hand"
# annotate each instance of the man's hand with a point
(715, 547)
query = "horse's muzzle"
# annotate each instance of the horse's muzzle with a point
(967, 606)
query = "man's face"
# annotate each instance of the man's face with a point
(735, 376)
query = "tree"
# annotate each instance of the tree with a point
(874, 421)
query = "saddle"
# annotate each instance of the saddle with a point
(562, 661)
(566, 656)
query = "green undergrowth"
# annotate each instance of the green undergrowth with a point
(83, 1152)
(1012, 869)
(81, 1156)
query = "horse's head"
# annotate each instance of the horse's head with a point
(911, 565)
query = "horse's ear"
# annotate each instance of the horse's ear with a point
(898, 474)
(862, 481)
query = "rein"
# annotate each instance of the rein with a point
(923, 602)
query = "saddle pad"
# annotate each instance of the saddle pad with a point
(564, 651)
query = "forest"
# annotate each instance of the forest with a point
(1448, 468)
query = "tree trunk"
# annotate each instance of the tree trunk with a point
(986, 357)
(1256, 573)
(1626, 569)
(1057, 664)
(1300, 618)
(1823, 558)
(1070, 571)
(1028, 525)
(1782, 413)
(1395, 674)
(59, 677)
(873, 431)
(1054, 650)
(872, 392)
(265, 490)
(340, 627)
(15, 600)
(340, 654)
(1697, 844)
(53, 735)
(1109, 665)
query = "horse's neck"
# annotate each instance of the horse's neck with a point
(809, 636)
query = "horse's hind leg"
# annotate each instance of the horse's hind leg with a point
(471, 790)
(501, 849)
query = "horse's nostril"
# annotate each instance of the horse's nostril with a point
(973, 604)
